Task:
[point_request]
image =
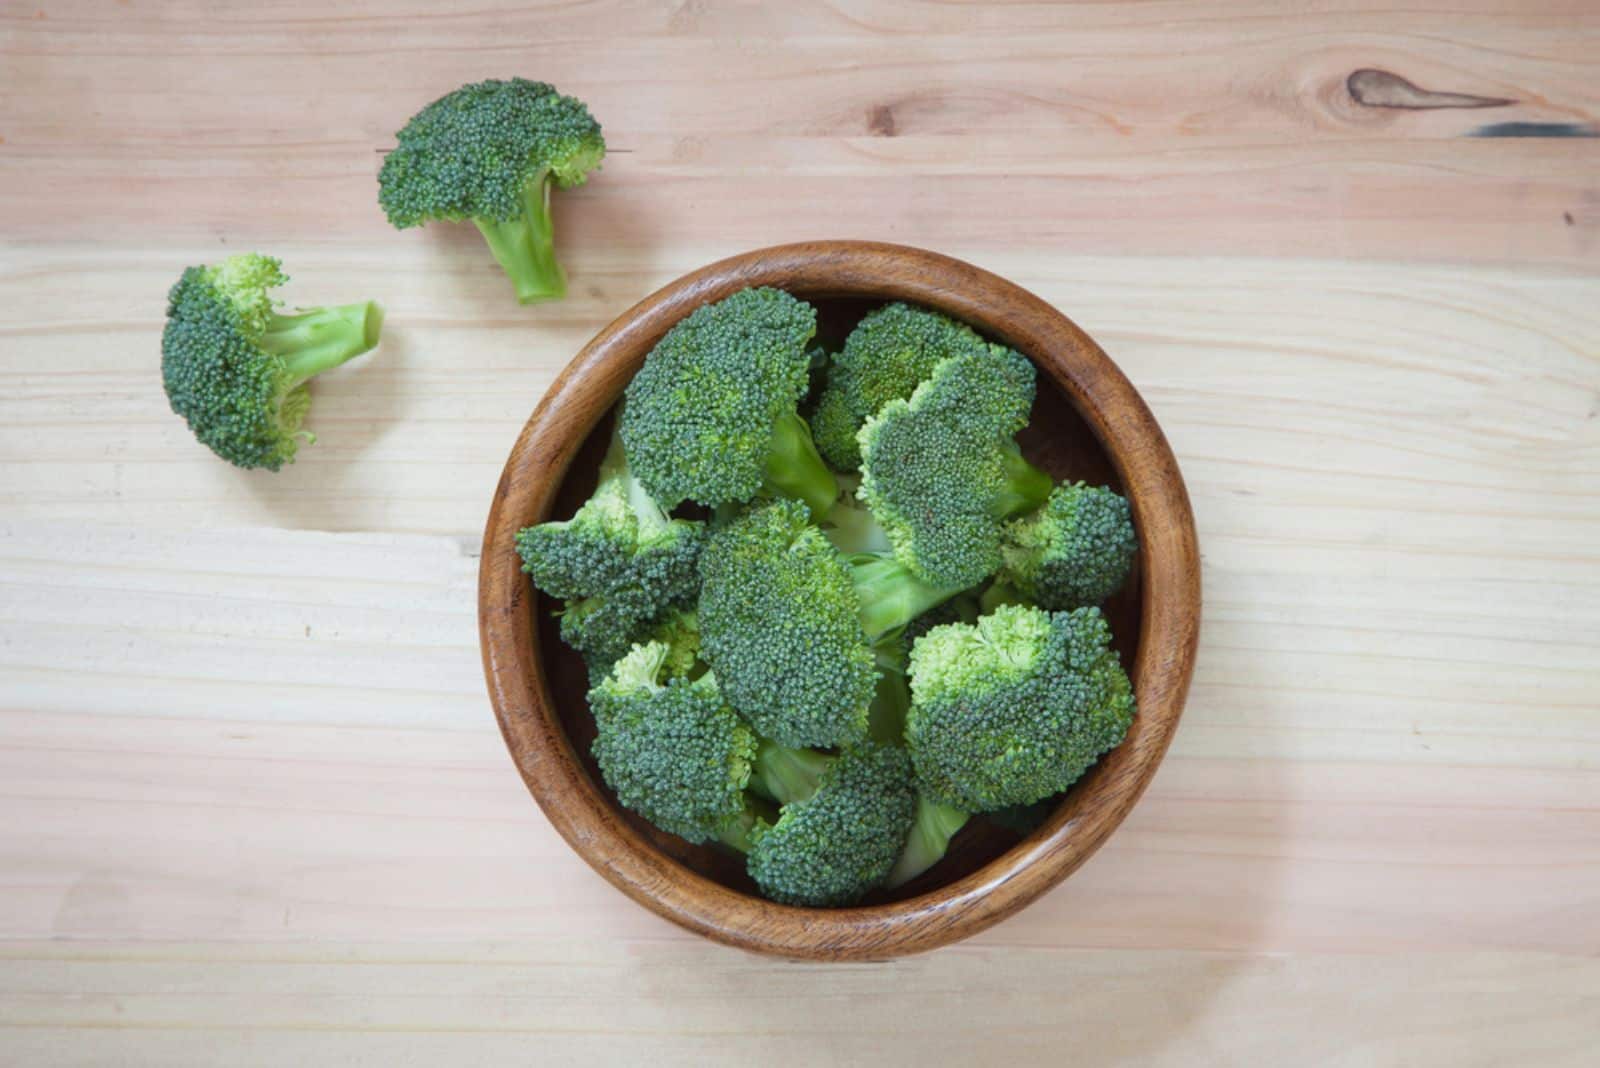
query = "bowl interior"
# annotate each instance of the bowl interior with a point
(1057, 439)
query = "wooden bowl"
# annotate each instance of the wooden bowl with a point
(1088, 423)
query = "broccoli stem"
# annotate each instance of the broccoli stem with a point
(891, 701)
(784, 774)
(930, 837)
(526, 246)
(999, 593)
(795, 469)
(891, 596)
(320, 339)
(738, 832)
(1027, 487)
(854, 529)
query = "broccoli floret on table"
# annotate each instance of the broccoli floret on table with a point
(491, 152)
(237, 369)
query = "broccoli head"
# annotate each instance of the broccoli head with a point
(788, 623)
(781, 623)
(620, 562)
(1015, 707)
(842, 840)
(1075, 550)
(941, 472)
(711, 416)
(887, 356)
(671, 748)
(237, 370)
(491, 152)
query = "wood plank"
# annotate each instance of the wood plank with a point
(1176, 129)
(677, 1003)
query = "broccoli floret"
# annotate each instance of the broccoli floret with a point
(788, 623)
(1015, 707)
(842, 840)
(886, 357)
(491, 152)
(942, 471)
(711, 416)
(1076, 550)
(237, 370)
(671, 748)
(620, 563)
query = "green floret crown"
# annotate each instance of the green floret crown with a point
(834, 846)
(237, 370)
(887, 356)
(942, 471)
(1076, 550)
(715, 401)
(781, 625)
(620, 562)
(1014, 708)
(671, 748)
(472, 153)
(491, 152)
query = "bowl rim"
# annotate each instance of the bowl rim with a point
(1170, 605)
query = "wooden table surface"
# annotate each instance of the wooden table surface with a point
(253, 806)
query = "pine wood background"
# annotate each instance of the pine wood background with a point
(253, 807)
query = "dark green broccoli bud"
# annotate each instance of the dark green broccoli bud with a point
(842, 841)
(620, 562)
(711, 416)
(834, 428)
(931, 831)
(1015, 707)
(886, 357)
(671, 748)
(491, 152)
(942, 471)
(1076, 550)
(1023, 820)
(678, 629)
(237, 370)
(788, 623)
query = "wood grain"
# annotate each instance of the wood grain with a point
(1370, 338)
(1177, 128)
